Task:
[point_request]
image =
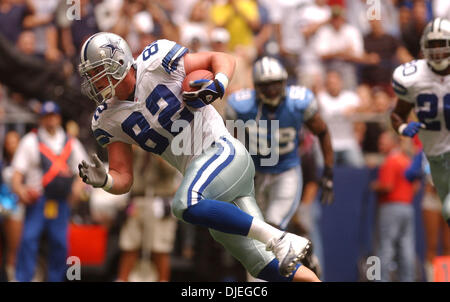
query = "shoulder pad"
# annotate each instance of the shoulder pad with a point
(406, 76)
(102, 136)
(242, 101)
(162, 53)
(299, 97)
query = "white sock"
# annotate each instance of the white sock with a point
(250, 278)
(262, 231)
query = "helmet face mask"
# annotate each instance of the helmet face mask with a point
(269, 79)
(105, 61)
(437, 53)
(435, 44)
(271, 93)
(98, 83)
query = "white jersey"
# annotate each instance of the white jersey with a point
(416, 83)
(158, 120)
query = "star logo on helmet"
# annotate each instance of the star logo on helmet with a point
(113, 46)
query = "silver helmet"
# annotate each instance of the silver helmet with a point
(104, 55)
(435, 43)
(269, 78)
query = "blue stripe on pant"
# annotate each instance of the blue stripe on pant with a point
(218, 215)
(226, 205)
(34, 225)
(200, 173)
(213, 160)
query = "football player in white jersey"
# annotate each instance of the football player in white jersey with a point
(425, 86)
(141, 102)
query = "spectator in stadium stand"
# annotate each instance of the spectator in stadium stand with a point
(361, 12)
(337, 106)
(75, 32)
(41, 22)
(287, 20)
(194, 30)
(149, 230)
(389, 51)
(42, 80)
(412, 31)
(241, 19)
(12, 16)
(395, 220)
(44, 167)
(13, 216)
(441, 8)
(340, 46)
(313, 16)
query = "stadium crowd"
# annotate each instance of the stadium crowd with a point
(345, 51)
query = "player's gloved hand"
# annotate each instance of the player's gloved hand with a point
(93, 174)
(410, 129)
(326, 184)
(208, 92)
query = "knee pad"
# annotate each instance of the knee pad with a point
(178, 207)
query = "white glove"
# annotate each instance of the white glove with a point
(94, 174)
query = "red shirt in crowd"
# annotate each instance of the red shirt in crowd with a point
(392, 175)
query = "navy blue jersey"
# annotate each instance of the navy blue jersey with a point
(298, 106)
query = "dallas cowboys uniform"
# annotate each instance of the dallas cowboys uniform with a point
(416, 83)
(278, 186)
(195, 141)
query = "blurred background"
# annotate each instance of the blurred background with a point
(339, 49)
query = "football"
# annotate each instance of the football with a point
(196, 75)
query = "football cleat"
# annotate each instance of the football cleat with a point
(290, 250)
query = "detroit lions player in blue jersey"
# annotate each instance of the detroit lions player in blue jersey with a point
(278, 184)
(273, 114)
(141, 102)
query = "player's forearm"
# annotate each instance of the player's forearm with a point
(31, 21)
(327, 148)
(121, 182)
(17, 183)
(320, 129)
(223, 63)
(220, 63)
(397, 120)
(399, 115)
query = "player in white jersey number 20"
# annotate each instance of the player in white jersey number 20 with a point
(425, 86)
(141, 102)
